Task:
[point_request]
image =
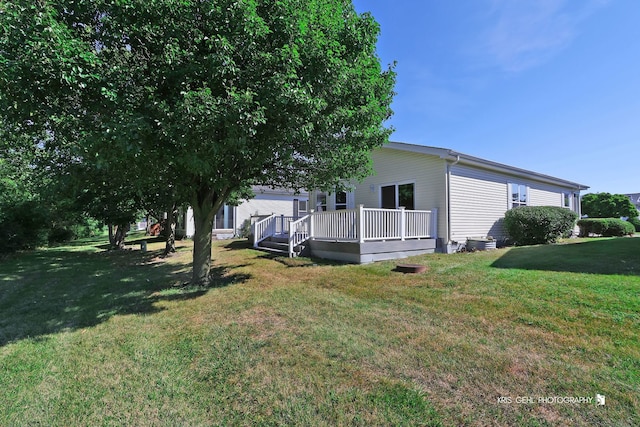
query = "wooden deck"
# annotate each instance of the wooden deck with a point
(359, 235)
(371, 251)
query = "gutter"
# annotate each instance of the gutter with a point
(512, 170)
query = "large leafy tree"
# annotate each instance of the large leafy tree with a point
(213, 96)
(606, 205)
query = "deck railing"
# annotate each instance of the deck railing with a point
(274, 225)
(263, 229)
(334, 225)
(351, 225)
(299, 232)
(366, 224)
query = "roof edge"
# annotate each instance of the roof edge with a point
(458, 157)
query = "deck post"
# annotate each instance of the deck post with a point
(311, 227)
(403, 223)
(434, 223)
(360, 222)
(254, 231)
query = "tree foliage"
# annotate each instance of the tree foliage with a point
(207, 97)
(606, 205)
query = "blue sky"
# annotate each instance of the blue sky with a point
(551, 86)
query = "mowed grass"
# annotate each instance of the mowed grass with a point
(91, 337)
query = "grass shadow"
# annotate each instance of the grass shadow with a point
(238, 244)
(61, 289)
(598, 256)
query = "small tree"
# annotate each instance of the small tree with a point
(606, 205)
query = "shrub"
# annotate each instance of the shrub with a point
(606, 227)
(60, 235)
(87, 227)
(245, 229)
(635, 222)
(24, 225)
(77, 227)
(532, 225)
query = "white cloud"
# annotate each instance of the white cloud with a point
(526, 33)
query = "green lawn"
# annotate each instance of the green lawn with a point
(91, 337)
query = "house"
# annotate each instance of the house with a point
(231, 220)
(635, 199)
(422, 199)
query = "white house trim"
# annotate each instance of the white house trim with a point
(457, 157)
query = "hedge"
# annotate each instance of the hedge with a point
(606, 227)
(635, 222)
(533, 225)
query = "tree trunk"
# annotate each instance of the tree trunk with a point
(170, 230)
(147, 230)
(205, 203)
(121, 234)
(112, 239)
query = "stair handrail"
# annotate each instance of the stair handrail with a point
(299, 232)
(263, 229)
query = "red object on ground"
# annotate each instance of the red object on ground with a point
(155, 229)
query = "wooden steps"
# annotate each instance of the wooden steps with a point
(280, 244)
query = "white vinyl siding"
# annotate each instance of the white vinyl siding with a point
(395, 167)
(479, 200)
(266, 204)
(547, 195)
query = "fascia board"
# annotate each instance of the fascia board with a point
(457, 157)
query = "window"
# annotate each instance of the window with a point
(341, 200)
(224, 218)
(321, 202)
(519, 195)
(396, 195)
(566, 200)
(406, 196)
(300, 207)
(388, 197)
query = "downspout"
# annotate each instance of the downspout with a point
(448, 198)
(579, 202)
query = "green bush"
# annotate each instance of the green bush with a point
(606, 227)
(24, 225)
(60, 235)
(533, 225)
(87, 227)
(245, 229)
(75, 228)
(635, 222)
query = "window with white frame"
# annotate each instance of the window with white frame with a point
(224, 218)
(300, 207)
(566, 200)
(321, 202)
(341, 200)
(519, 195)
(395, 195)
